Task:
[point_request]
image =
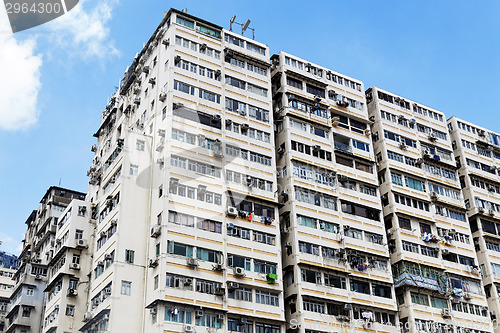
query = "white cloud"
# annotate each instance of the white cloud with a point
(20, 83)
(83, 31)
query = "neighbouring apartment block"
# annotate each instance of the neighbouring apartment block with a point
(335, 257)
(435, 268)
(232, 190)
(477, 154)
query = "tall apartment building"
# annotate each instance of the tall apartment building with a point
(435, 268)
(184, 174)
(335, 257)
(477, 153)
(8, 266)
(25, 312)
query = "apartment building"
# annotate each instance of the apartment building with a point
(477, 154)
(435, 268)
(26, 308)
(184, 172)
(67, 271)
(8, 266)
(335, 257)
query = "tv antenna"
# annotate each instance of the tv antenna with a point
(244, 26)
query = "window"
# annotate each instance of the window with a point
(78, 234)
(180, 249)
(26, 311)
(335, 281)
(208, 255)
(242, 294)
(177, 315)
(266, 297)
(70, 310)
(264, 267)
(419, 299)
(185, 22)
(140, 145)
(360, 286)
(237, 261)
(126, 287)
(129, 256)
(134, 170)
(381, 290)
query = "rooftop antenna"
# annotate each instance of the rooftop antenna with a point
(244, 26)
(231, 23)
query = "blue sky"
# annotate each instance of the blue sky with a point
(56, 78)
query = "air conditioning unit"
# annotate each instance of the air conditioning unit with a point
(316, 147)
(368, 132)
(243, 113)
(203, 47)
(218, 267)
(155, 231)
(137, 100)
(38, 277)
(491, 212)
(192, 262)
(446, 313)
(72, 292)
(188, 328)
(232, 211)
(166, 42)
(153, 263)
(280, 151)
(162, 97)
(480, 209)
(335, 121)
(445, 252)
(466, 295)
(153, 311)
(402, 145)
(233, 285)
(108, 256)
(188, 281)
(419, 161)
(74, 266)
(160, 161)
(343, 102)
(239, 271)
(491, 188)
(152, 80)
(220, 291)
(432, 137)
(244, 127)
(347, 227)
(342, 178)
(87, 316)
(434, 195)
(218, 117)
(220, 317)
(145, 69)
(199, 313)
(137, 89)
